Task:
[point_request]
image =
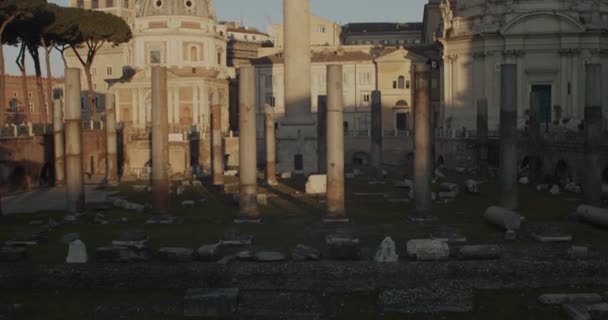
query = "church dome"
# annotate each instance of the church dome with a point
(196, 8)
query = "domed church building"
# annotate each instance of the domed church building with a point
(184, 36)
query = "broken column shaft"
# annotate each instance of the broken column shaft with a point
(508, 137)
(271, 162)
(423, 143)
(73, 142)
(322, 134)
(247, 145)
(111, 147)
(58, 141)
(592, 188)
(297, 58)
(160, 141)
(217, 153)
(335, 143)
(535, 146)
(482, 136)
(376, 134)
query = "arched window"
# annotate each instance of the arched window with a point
(401, 82)
(193, 53)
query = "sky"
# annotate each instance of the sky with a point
(262, 13)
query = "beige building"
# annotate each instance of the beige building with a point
(359, 82)
(323, 32)
(550, 41)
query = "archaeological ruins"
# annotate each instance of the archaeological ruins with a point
(454, 168)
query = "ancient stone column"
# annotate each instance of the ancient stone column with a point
(592, 187)
(111, 142)
(247, 146)
(160, 141)
(297, 58)
(335, 144)
(535, 145)
(423, 143)
(376, 134)
(271, 162)
(508, 137)
(482, 136)
(322, 133)
(217, 152)
(73, 142)
(58, 141)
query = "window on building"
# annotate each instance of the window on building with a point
(193, 53)
(109, 3)
(298, 162)
(365, 78)
(394, 84)
(95, 4)
(219, 57)
(31, 107)
(345, 127)
(407, 84)
(322, 28)
(401, 82)
(15, 94)
(109, 70)
(155, 57)
(29, 94)
(125, 3)
(80, 3)
(366, 98)
(270, 100)
(14, 105)
(401, 121)
(246, 37)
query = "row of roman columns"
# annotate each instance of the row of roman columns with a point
(68, 142)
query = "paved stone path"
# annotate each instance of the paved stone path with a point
(48, 199)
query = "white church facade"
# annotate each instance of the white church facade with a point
(550, 41)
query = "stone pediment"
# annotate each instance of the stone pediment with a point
(400, 55)
(542, 23)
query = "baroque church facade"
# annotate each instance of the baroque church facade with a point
(550, 41)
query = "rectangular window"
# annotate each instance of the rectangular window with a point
(270, 100)
(365, 78)
(298, 162)
(407, 84)
(366, 98)
(15, 94)
(401, 121)
(155, 57)
(31, 107)
(80, 3)
(322, 28)
(109, 3)
(394, 84)
(125, 3)
(95, 4)
(109, 70)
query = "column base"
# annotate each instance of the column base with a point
(421, 218)
(162, 219)
(247, 221)
(335, 220)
